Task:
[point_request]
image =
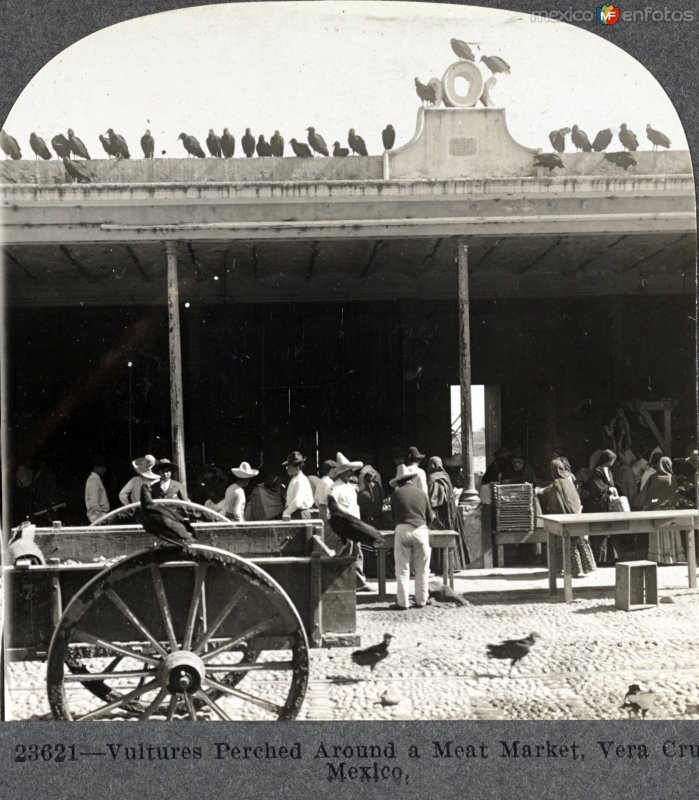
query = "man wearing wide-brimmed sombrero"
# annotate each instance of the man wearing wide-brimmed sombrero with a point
(143, 467)
(234, 500)
(299, 492)
(345, 495)
(166, 487)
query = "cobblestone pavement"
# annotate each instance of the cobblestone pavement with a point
(588, 654)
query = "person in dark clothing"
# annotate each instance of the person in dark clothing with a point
(495, 470)
(411, 516)
(518, 470)
(600, 490)
(446, 515)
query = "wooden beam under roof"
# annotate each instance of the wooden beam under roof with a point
(198, 274)
(14, 260)
(528, 267)
(655, 253)
(602, 252)
(254, 261)
(379, 245)
(315, 247)
(144, 272)
(488, 253)
(82, 270)
(429, 260)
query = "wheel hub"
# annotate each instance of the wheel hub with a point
(181, 672)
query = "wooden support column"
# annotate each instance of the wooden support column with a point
(175, 346)
(469, 496)
(616, 311)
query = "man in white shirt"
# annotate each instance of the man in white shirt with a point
(234, 499)
(96, 500)
(345, 494)
(299, 493)
(413, 463)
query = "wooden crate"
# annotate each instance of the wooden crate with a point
(636, 585)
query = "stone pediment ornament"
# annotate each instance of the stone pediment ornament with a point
(453, 95)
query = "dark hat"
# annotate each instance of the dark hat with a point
(328, 464)
(165, 464)
(294, 459)
(516, 453)
(501, 452)
(415, 454)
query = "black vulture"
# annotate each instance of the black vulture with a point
(77, 171)
(350, 528)
(623, 159)
(191, 145)
(638, 701)
(558, 139)
(317, 142)
(426, 92)
(213, 142)
(443, 593)
(580, 140)
(165, 523)
(227, 144)
(462, 50)
(10, 146)
(248, 142)
(277, 144)
(108, 149)
(300, 149)
(512, 649)
(356, 143)
(38, 145)
(77, 146)
(496, 64)
(370, 656)
(388, 137)
(602, 140)
(61, 145)
(628, 138)
(118, 144)
(340, 151)
(264, 148)
(657, 138)
(548, 160)
(147, 145)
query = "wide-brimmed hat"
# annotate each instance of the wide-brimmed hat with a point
(294, 459)
(403, 474)
(343, 465)
(245, 470)
(144, 466)
(165, 464)
(415, 454)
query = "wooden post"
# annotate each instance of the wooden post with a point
(469, 496)
(176, 408)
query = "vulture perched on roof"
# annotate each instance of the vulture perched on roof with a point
(213, 142)
(496, 64)
(39, 147)
(76, 145)
(628, 138)
(388, 137)
(277, 144)
(558, 139)
(427, 92)
(191, 145)
(300, 149)
(107, 145)
(77, 171)
(580, 140)
(317, 142)
(118, 144)
(657, 138)
(248, 142)
(61, 145)
(340, 152)
(147, 145)
(264, 148)
(10, 146)
(602, 140)
(462, 50)
(548, 160)
(227, 143)
(356, 143)
(623, 159)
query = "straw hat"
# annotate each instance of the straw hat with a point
(144, 467)
(403, 474)
(165, 464)
(343, 465)
(245, 470)
(414, 454)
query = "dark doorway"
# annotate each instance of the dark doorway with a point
(291, 421)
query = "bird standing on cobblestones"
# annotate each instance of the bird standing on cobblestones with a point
(370, 656)
(513, 649)
(638, 701)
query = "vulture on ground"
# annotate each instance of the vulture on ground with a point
(370, 656)
(512, 649)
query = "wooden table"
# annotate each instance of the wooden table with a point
(439, 540)
(615, 524)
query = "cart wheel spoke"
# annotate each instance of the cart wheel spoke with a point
(162, 694)
(194, 605)
(190, 707)
(85, 677)
(134, 620)
(164, 605)
(213, 705)
(248, 633)
(260, 702)
(172, 708)
(220, 619)
(116, 648)
(119, 702)
(243, 669)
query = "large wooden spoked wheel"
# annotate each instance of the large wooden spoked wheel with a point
(170, 633)
(194, 510)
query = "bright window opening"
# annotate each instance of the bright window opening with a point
(477, 423)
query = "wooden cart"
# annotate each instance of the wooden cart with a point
(132, 628)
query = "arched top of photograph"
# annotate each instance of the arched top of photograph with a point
(230, 79)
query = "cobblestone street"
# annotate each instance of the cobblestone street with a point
(588, 654)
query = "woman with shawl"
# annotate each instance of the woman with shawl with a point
(370, 496)
(664, 546)
(600, 490)
(446, 515)
(561, 497)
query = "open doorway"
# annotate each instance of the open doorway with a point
(477, 423)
